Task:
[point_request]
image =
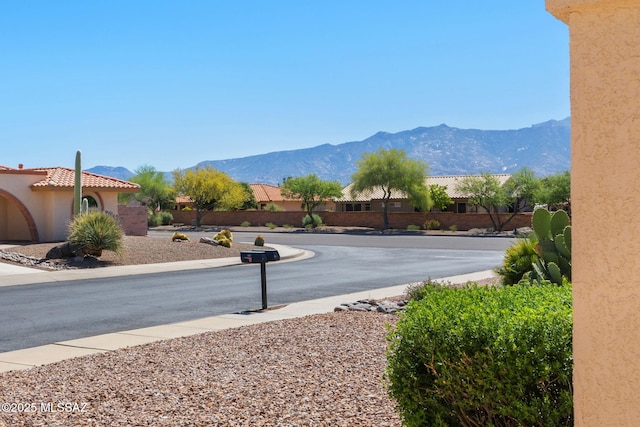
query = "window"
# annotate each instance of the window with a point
(461, 207)
(367, 207)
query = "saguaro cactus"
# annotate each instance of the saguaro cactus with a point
(77, 186)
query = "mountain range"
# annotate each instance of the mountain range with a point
(544, 148)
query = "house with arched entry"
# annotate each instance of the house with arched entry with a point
(37, 204)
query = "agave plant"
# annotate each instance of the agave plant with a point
(96, 231)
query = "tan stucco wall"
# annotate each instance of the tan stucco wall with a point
(51, 210)
(605, 178)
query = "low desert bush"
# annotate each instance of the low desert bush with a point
(271, 225)
(272, 207)
(96, 231)
(431, 224)
(245, 224)
(153, 220)
(166, 218)
(482, 356)
(307, 222)
(453, 228)
(413, 227)
(518, 260)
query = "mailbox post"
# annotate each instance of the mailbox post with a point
(261, 257)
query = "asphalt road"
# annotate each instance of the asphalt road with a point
(39, 314)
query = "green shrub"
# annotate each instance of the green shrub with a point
(272, 207)
(166, 218)
(431, 224)
(483, 356)
(287, 226)
(96, 231)
(418, 291)
(453, 228)
(307, 222)
(153, 220)
(413, 227)
(271, 225)
(245, 224)
(518, 260)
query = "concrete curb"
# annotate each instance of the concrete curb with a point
(16, 275)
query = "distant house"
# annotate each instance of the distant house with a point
(266, 195)
(184, 203)
(37, 204)
(399, 202)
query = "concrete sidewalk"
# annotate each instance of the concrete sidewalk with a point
(36, 356)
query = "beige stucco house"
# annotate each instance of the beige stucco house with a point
(266, 194)
(37, 204)
(373, 200)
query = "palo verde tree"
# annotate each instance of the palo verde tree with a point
(312, 190)
(209, 189)
(155, 189)
(396, 175)
(486, 191)
(439, 196)
(555, 191)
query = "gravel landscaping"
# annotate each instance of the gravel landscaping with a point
(321, 370)
(137, 250)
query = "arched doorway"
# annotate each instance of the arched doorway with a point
(16, 222)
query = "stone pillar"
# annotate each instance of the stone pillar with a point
(605, 197)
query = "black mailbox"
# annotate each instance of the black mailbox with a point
(261, 257)
(253, 256)
(272, 255)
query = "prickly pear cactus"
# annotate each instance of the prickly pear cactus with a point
(553, 231)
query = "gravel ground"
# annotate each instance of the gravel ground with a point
(140, 250)
(321, 370)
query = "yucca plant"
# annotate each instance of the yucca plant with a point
(96, 231)
(518, 260)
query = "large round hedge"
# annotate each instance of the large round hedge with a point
(484, 356)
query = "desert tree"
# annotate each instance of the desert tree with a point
(396, 175)
(512, 197)
(209, 189)
(555, 191)
(312, 190)
(155, 189)
(439, 196)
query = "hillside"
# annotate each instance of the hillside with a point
(545, 148)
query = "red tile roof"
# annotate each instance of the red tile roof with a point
(265, 193)
(64, 178)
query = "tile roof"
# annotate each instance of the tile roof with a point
(183, 199)
(267, 193)
(64, 178)
(447, 181)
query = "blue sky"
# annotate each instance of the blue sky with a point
(172, 83)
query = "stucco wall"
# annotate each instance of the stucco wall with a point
(605, 104)
(50, 210)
